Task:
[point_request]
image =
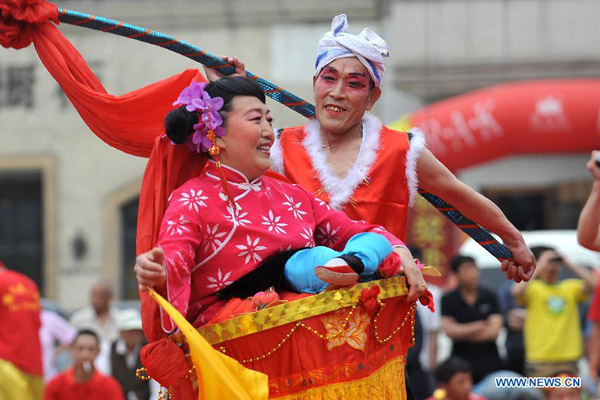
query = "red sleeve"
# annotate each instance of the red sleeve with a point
(180, 236)
(334, 228)
(594, 313)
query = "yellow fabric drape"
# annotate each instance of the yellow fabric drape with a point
(17, 385)
(219, 376)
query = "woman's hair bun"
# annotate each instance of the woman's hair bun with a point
(179, 124)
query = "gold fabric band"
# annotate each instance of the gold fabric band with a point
(297, 310)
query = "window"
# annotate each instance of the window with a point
(553, 207)
(21, 238)
(129, 210)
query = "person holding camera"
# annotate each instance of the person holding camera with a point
(553, 339)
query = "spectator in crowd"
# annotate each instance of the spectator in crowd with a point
(472, 319)
(99, 316)
(82, 381)
(588, 228)
(125, 356)
(514, 321)
(553, 339)
(21, 373)
(55, 329)
(454, 381)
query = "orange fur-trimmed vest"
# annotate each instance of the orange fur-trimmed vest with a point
(379, 187)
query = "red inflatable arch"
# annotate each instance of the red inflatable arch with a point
(536, 117)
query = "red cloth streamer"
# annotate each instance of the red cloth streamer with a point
(18, 19)
(130, 122)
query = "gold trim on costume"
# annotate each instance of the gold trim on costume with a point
(297, 310)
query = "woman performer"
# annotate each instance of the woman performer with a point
(348, 158)
(231, 220)
(225, 223)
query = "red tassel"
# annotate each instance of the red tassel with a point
(225, 185)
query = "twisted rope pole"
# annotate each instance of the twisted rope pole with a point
(277, 93)
(185, 49)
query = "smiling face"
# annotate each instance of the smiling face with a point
(247, 143)
(343, 92)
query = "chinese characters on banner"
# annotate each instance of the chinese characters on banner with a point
(435, 235)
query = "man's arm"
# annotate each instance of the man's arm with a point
(490, 332)
(461, 331)
(436, 178)
(584, 274)
(588, 227)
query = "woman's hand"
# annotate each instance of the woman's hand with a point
(213, 74)
(414, 277)
(150, 270)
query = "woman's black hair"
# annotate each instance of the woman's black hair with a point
(179, 123)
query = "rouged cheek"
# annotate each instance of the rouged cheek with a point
(323, 84)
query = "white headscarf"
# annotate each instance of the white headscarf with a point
(368, 47)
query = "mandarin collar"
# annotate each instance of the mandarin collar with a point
(233, 175)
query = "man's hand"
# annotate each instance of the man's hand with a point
(150, 270)
(213, 74)
(522, 267)
(592, 166)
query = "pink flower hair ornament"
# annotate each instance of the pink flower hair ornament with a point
(208, 128)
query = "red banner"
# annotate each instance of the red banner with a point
(559, 116)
